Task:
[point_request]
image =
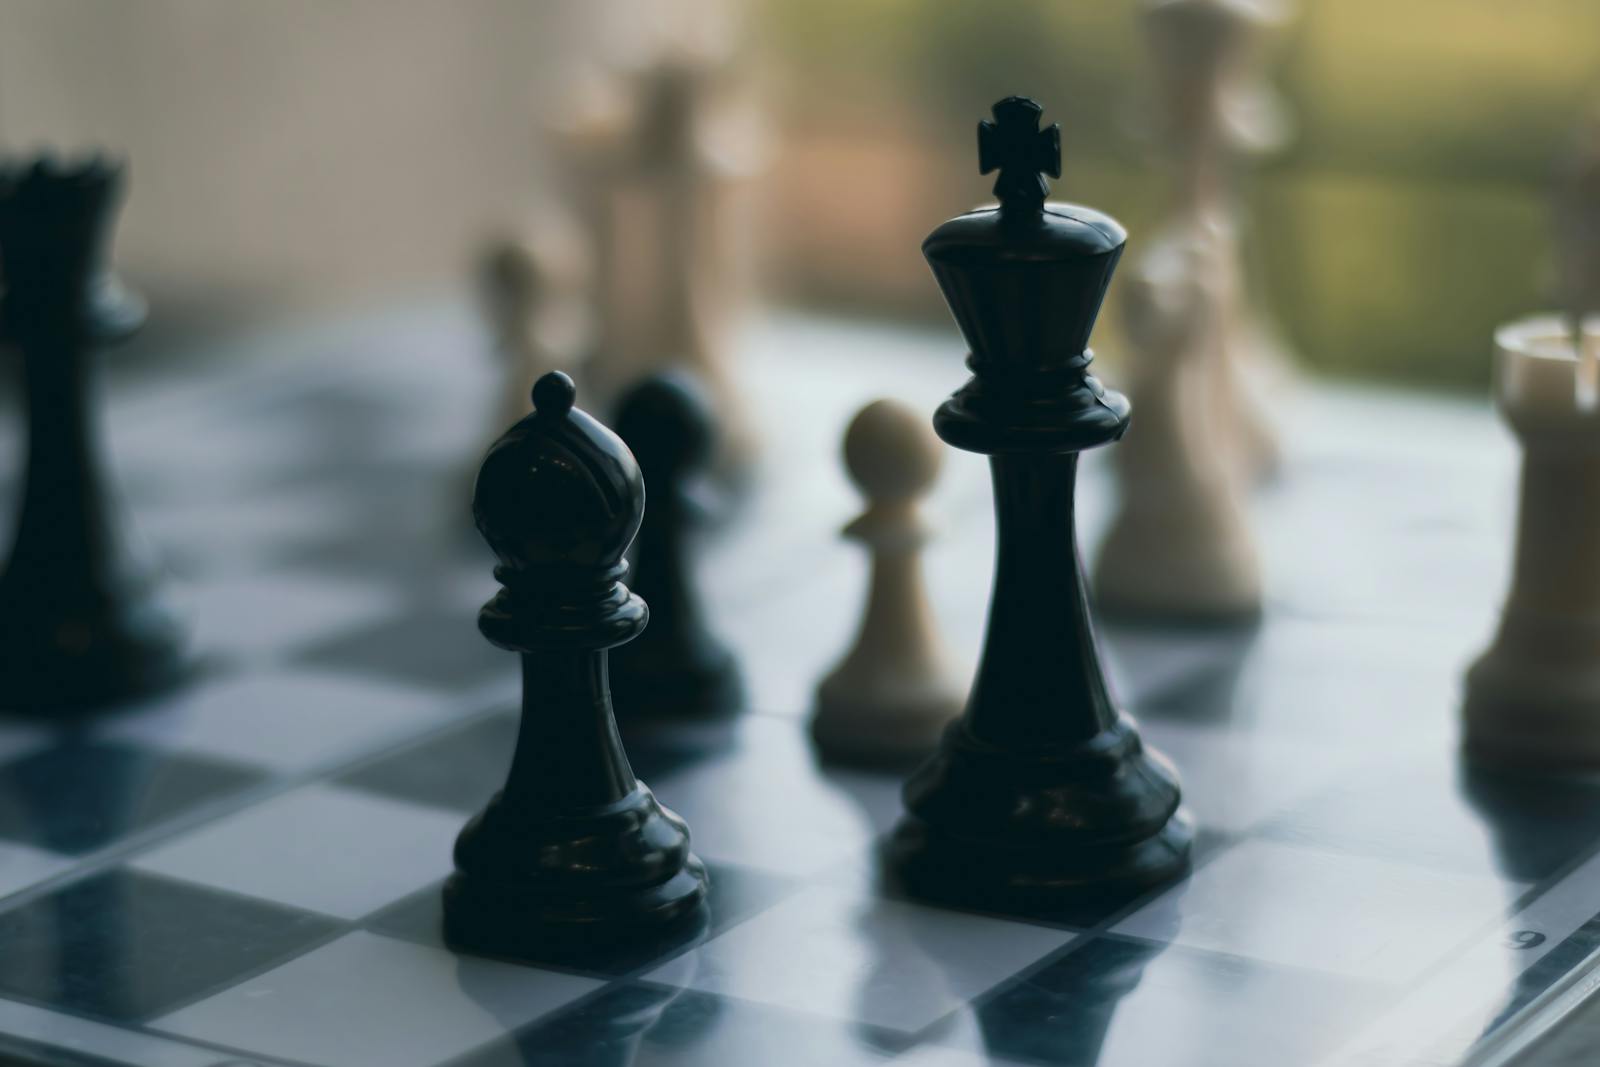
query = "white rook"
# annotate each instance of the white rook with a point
(1533, 699)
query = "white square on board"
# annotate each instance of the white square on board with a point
(370, 1001)
(321, 848)
(1352, 915)
(828, 951)
(790, 818)
(276, 614)
(285, 721)
(1234, 781)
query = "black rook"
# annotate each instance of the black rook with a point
(83, 622)
(1042, 793)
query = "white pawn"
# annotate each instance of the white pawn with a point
(1180, 547)
(892, 695)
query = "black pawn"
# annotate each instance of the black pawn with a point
(1041, 796)
(574, 853)
(678, 667)
(82, 621)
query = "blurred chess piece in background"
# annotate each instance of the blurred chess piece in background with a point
(530, 282)
(662, 148)
(1180, 547)
(1215, 111)
(1533, 697)
(87, 625)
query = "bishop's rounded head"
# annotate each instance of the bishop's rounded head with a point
(891, 452)
(666, 421)
(554, 394)
(558, 489)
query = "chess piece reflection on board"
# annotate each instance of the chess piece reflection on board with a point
(678, 667)
(1533, 697)
(574, 849)
(80, 607)
(663, 186)
(1042, 792)
(889, 699)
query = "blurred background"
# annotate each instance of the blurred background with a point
(320, 154)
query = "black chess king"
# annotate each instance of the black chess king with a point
(574, 854)
(1041, 794)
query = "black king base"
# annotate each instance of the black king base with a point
(1041, 796)
(574, 858)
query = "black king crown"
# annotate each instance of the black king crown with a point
(1041, 794)
(1025, 283)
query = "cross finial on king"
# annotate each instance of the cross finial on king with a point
(1023, 153)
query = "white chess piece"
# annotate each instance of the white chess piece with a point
(527, 284)
(1533, 699)
(1216, 109)
(1180, 545)
(893, 694)
(664, 188)
(508, 284)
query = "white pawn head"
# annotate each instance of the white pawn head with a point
(891, 452)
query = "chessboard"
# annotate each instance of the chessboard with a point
(246, 870)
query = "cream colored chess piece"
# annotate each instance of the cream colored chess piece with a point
(1216, 109)
(893, 694)
(663, 176)
(1180, 546)
(528, 283)
(1533, 699)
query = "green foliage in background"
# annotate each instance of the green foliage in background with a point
(1407, 218)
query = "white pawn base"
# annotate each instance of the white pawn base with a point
(884, 722)
(1154, 568)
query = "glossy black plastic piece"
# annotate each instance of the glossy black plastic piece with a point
(574, 852)
(1041, 795)
(82, 619)
(677, 668)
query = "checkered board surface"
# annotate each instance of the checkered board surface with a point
(246, 871)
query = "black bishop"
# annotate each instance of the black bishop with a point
(574, 853)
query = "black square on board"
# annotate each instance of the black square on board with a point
(459, 770)
(128, 946)
(463, 768)
(77, 796)
(428, 645)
